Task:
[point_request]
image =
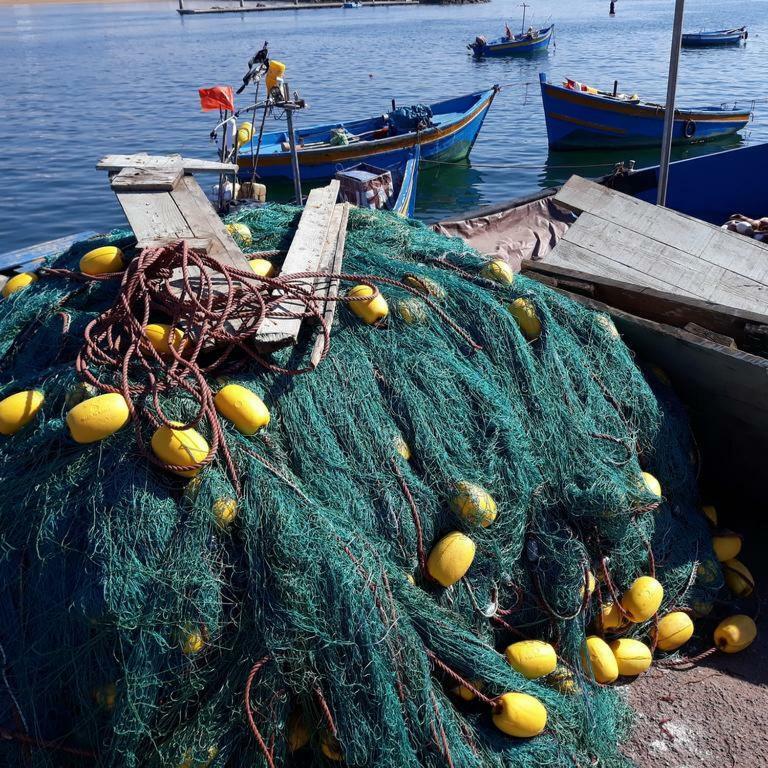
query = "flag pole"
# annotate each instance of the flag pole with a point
(669, 115)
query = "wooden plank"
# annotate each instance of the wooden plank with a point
(154, 216)
(146, 179)
(303, 256)
(144, 160)
(705, 333)
(331, 262)
(38, 253)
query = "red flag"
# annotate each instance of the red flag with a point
(218, 97)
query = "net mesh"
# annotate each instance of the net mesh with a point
(132, 618)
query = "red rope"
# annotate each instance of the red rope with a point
(416, 520)
(265, 750)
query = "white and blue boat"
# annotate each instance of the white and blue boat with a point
(716, 38)
(512, 45)
(445, 131)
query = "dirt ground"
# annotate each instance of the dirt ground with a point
(713, 715)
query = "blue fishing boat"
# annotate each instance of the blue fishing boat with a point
(445, 131)
(581, 117)
(512, 45)
(718, 37)
(353, 4)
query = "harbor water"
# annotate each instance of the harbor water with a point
(82, 81)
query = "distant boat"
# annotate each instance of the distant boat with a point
(719, 37)
(525, 42)
(448, 134)
(580, 117)
(354, 4)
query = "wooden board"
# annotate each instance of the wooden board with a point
(303, 256)
(147, 179)
(33, 256)
(144, 160)
(633, 241)
(154, 216)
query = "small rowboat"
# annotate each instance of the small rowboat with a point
(579, 117)
(527, 42)
(719, 37)
(449, 136)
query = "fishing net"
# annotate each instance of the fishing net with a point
(141, 627)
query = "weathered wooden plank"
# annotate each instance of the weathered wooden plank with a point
(154, 216)
(331, 262)
(303, 256)
(144, 160)
(204, 222)
(705, 333)
(146, 179)
(38, 253)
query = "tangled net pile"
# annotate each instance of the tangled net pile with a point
(136, 629)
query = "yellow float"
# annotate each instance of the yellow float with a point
(451, 558)
(245, 409)
(425, 285)
(103, 261)
(710, 513)
(674, 629)
(519, 715)
(330, 747)
(738, 578)
(632, 657)
(238, 229)
(16, 411)
(726, 546)
(499, 271)
(610, 617)
(473, 504)
(192, 641)
(371, 311)
(160, 337)
(735, 633)
(403, 448)
(589, 586)
(642, 599)
(297, 733)
(528, 321)
(532, 658)
(563, 681)
(412, 311)
(180, 447)
(225, 511)
(18, 282)
(98, 417)
(262, 267)
(244, 133)
(652, 484)
(607, 323)
(598, 657)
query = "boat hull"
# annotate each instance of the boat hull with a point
(405, 204)
(449, 142)
(710, 39)
(577, 120)
(501, 47)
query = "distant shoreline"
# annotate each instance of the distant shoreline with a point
(7, 3)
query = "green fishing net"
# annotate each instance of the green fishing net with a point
(132, 618)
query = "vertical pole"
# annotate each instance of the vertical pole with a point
(181, 5)
(669, 115)
(292, 142)
(522, 29)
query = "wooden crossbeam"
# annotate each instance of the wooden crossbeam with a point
(144, 160)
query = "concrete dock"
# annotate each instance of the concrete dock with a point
(249, 6)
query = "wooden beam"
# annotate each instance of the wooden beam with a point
(146, 179)
(144, 160)
(33, 256)
(154, 216)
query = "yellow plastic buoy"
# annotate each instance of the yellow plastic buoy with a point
(652, 484)
(98, 417)
(520, 715)
(102, 261)
(499, 271)
(598, 657)
(159, 336)
(463, 693)
(708, 572)
(297, 733)
(735, 633)
(675, 629)
(16, 411)
(632, 657)
(610, 617)
(262, 267)
(532, 658)
(245, 409)
(589, 586)
(17, 282)
(225, 511)
(425, 285)
(409, 578)
(370, 311)
(238, 229)
(191, 641)
(412, 311)
(702, 609)
(330, 747)
(607, 323)
(473, 504)
(642, 599)
(190, 762)
(403, 448)
(738, 578)
(275, 73)
(563, 681)
(450, 558)
(106, 696)
(180, 447)
(726, 546)
(244, 133)
(710, 513)
(524, 312)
